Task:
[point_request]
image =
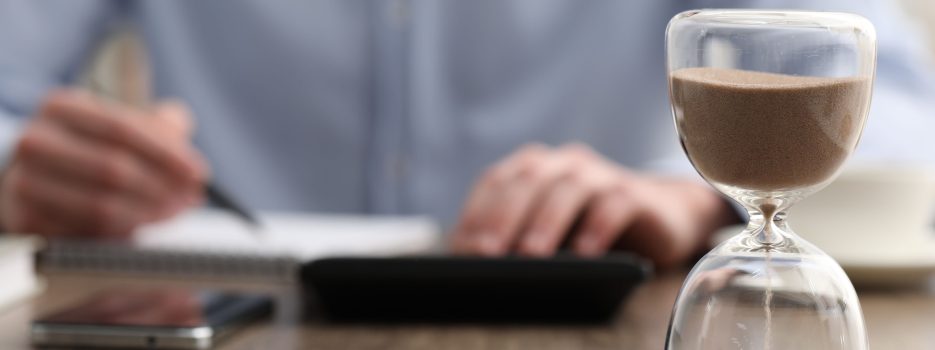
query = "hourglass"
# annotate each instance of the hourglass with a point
(768, 105)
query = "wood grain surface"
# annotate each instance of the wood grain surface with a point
(897, 319)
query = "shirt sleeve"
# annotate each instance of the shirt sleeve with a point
(43, 44)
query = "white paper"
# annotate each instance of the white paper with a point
(295, 235)
(17, 272)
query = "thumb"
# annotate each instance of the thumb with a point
(175, 117)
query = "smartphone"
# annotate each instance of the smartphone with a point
(152, 318)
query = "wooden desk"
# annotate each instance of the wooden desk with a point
(896, 320)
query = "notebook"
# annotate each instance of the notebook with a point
(214, 244)
(17, 274)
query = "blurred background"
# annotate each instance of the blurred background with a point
(120, 65)
(922, 14)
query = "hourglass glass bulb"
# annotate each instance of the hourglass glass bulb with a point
(768, 130)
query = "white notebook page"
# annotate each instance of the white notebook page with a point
(296, 235)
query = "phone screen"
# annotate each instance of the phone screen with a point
(158, 307)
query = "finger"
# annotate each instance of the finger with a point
(473, 232)
(96, 120)
(514, 207)
(50, 148)
(555, 214)
(74, 209)
(21, 214)
(17, 213)
(585, 172)
(608, 217)
(29, 220)
(176, 117)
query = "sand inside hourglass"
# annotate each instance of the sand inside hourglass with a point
(767, 132)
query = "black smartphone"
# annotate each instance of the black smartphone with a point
(150, 318)
(562, 289)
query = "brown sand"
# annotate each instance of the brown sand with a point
(762, 131)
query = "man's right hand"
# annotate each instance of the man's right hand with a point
(86, 166)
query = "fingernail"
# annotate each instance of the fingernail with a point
(536, 244)
(194, 199)
(588, 244)
(487, 243)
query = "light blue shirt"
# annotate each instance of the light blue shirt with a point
(396, 106)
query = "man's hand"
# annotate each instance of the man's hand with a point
(85, 166)
(529, 202)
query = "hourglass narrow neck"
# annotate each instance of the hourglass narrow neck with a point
(767, 225)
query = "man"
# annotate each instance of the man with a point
(390, 107)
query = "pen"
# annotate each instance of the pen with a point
(224, 201)
(212, 191)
